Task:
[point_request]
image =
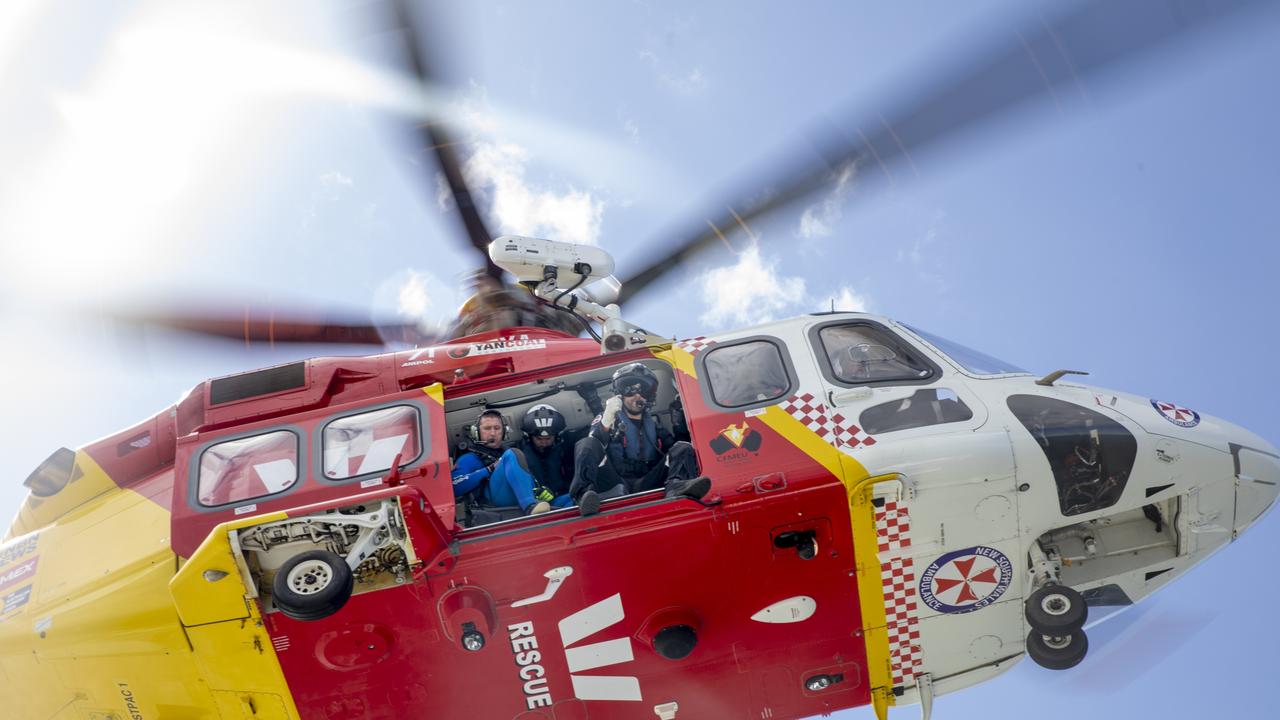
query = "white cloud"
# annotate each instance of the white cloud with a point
(333, 178)
(420, 297)
(748, 292)
(413, 300)
(632, 130)
(818, 219)
(850, 300)
(600, 161)
(496, 171)
(444, 194)
(752, 291)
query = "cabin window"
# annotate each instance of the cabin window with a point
(369, 442)
(248, 468)
(862, 354)
(1090, 454)
(747, 373)
(931, 406)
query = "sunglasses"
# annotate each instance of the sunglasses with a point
(631, 391)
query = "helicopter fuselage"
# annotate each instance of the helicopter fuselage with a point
(881, 509)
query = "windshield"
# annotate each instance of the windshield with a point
(971, 360)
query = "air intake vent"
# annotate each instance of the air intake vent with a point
(53, 474)
(256, 384)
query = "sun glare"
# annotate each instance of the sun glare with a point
(171, 95)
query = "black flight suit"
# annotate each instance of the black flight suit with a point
(638, 455)
(553, 467)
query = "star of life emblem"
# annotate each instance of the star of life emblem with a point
(1180, 416)
(966, 580)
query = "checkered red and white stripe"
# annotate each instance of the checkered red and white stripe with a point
(835, 429)
(695, 345)
(893, 526)
(893, 530)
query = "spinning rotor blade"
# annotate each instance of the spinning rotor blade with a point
(441, 143)
(275, 328)
(1042, 60)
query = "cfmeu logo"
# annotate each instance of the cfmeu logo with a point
(582, 658)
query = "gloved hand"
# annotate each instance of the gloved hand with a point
(543, 494)
(609, 418)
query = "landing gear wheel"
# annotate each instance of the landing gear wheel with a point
(1057, 652)
(312, 585)
(1056, 610)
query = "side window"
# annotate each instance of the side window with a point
(746, 373)
(248, 468)
(369, 442)
(862, 353)
(1091, 455)
(932, 406)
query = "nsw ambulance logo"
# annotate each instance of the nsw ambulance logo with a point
(966, 580)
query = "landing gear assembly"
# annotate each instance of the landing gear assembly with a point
(1056, 614)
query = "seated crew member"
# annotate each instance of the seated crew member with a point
(627, 451)
(502, 476)
(548, 450)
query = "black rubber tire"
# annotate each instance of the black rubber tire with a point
(1057, 652)
(320, 566)
(1056, 610)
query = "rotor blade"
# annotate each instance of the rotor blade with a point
(1042, 60)
(441, 144)
(272, 328)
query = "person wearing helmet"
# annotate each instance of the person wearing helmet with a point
(548, 449)
(500, 477)
(628, 451)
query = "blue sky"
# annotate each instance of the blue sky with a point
(159, 153)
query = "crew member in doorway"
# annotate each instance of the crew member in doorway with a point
(627, 451)
(548, 450)
(500, 475)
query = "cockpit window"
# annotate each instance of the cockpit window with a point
(369, 442)
(931, 406)
(1090, 454)
(862, 353)
(746, 373)
(968, 358)
(248, 468)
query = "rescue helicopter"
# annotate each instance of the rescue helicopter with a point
(892, 516)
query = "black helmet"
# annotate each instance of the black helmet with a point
(635, 376)
(542, 421)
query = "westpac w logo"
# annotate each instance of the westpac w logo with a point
(582, 625)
